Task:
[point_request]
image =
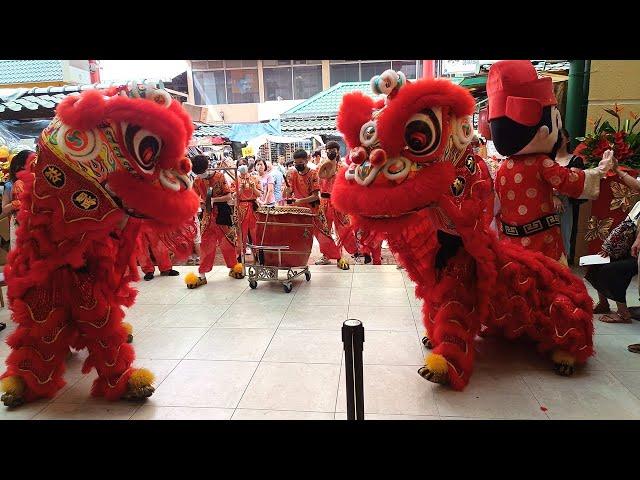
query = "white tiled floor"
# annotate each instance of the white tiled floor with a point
(225, 351)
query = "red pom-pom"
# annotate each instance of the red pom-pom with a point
(83, 112)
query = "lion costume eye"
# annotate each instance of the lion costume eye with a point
(368, 134)
(422, 133)
(143, 145)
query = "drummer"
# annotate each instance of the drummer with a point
(249, 191)
(304, 184)
(327, 173)
(215, 229)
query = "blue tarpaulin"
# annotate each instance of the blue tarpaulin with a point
(243, 132)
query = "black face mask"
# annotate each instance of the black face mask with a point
(300, 168)
(332, 155)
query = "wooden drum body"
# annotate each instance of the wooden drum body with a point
(284, 226)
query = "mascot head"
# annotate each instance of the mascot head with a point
(403, 149)
(523, 113)
(128, 146)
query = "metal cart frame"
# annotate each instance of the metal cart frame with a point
(265, 273)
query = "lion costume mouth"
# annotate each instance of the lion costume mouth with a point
(141, 199)
(389, 200)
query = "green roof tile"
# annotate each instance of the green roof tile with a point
(204, 130)
(328, 101)
(30, 71)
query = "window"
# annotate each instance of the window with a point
(307, 62)
(206, 64)
(307, 81)
(209, 88)
(275, 63)
(240, 63)
(346, 72)
(277, 83)
(370, 70)
(242, 86)
(408, 67)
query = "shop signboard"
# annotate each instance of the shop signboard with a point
(248, 151)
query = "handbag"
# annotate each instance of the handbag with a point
(618, 243)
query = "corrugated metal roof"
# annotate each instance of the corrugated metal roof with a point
(30, 71)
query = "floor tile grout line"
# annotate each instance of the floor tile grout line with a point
(264, 352)
(183, 358)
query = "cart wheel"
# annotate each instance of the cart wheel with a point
(287, 287)
(253, 284)
(307, 275)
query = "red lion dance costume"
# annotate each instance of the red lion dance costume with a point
(105, 162)
(415, 179)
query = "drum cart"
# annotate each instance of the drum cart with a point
(258, 271)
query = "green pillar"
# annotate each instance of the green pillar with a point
(577, 91)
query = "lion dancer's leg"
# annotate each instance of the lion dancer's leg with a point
(161, 254)
(144, 258)
(40, 344)
(344, 230)
(101, 327)
(452, 323)
(328, 247)
(543, 300)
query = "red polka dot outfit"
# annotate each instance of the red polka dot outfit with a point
(524, 186)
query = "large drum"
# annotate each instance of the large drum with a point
(284, 226)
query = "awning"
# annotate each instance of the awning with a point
(243, 132)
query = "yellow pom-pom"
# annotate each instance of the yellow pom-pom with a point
(13, 385)
(4, 152)
(141, 378)
(128, 327)
(436, 363)
(563, 358)
(238, 268)
(190, 278)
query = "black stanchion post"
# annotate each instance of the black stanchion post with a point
(353, 341)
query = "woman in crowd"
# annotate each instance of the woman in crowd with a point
(267, 185)
(611, 280)
(249, 192)
(568, 208)
(12, 191)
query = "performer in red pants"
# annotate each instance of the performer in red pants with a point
(305, 186)
(213, 234)
(149, 241)
(245, 201)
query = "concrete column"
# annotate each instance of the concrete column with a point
(261, 81)
(326, 79)
(190, 89)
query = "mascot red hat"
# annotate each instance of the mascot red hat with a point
(516, 92)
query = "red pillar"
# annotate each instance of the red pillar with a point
(94, 71)
(428, 68)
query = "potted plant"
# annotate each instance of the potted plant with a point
(616, 199)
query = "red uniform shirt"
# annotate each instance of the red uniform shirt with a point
(303, 185)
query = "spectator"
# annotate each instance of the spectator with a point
(12, 191)
(267, 184)
(567, 207)
(611, 280)
(278, 182)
